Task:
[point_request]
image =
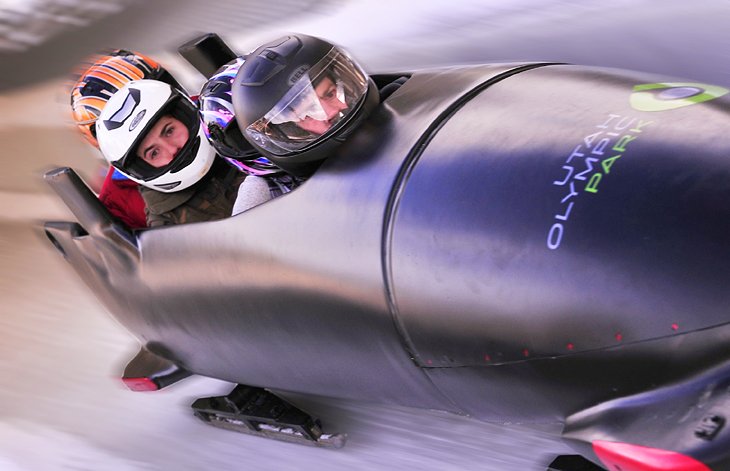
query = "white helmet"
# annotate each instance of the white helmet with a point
(128, 116)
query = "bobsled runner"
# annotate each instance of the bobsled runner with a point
(525, 242)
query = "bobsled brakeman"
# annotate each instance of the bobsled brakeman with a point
(525, 242)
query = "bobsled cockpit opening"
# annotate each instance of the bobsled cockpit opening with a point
(387, 84)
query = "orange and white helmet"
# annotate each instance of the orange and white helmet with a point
(108, 73)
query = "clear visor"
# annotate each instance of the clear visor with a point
(303, 101)
(313, 107)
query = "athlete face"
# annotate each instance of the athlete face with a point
(331, 102)
(163, 141)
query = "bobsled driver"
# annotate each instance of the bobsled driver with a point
(298, 97)
(153, 134)
(91, 91)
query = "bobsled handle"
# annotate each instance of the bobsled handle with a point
(207, 53)
(89, 211)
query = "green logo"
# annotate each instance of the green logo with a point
(670, 96)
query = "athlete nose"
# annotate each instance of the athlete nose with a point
(172, 148)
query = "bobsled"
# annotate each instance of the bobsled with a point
(517, 242)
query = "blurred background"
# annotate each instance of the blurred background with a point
(60, 404)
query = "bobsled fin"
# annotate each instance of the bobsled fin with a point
(681, 426)
(256, 411)
(150, 372)
(627, 457)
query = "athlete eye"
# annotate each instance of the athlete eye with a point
(330, 94)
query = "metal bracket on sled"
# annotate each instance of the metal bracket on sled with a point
(256, 411)
(150, 372)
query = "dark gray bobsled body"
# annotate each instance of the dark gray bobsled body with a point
(513, 242)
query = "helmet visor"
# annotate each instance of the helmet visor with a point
(317, 104)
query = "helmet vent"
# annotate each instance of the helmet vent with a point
(122, 114)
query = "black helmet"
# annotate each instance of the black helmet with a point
(297, 98)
